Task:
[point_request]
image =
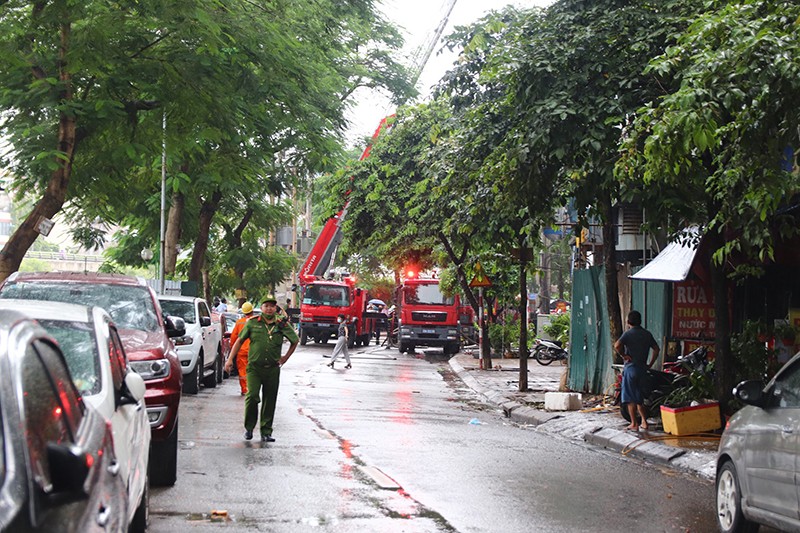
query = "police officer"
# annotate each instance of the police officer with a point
(266, 333)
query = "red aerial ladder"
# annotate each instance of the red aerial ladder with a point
(324, 298)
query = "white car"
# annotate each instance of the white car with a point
(99, 368)
(200, 349)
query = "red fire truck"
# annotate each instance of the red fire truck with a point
(322, 297)
(429, 318)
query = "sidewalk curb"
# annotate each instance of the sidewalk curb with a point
(627, 443)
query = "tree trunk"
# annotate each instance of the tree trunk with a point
(172, 233)
(723, 357)
(544, 284)
(610, 263)
(486, 352)
(207, 285)
(56, 192)
(207, 210)
(523, 318)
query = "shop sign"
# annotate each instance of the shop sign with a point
(692, 311)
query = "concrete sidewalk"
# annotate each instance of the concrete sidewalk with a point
(597, 424)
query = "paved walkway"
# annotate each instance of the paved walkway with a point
(598, 424)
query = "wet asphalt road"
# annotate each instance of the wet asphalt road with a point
(343, 436)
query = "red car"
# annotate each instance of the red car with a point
(145, 335)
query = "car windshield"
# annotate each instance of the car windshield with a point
(79, 344)
(185, 310)
(327, 295)
(428, 294)
(130, 307)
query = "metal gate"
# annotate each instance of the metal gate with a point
(590, 340)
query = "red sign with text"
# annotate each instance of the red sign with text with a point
(692, 311)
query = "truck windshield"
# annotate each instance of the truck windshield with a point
(334, 295)
(426, 294)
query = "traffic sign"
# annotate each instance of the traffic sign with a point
(480, 279)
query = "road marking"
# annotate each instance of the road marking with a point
(381, 479)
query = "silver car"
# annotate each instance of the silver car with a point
(758, 462)
(99, 368)
(58, 471)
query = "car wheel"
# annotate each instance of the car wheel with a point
(142, 515)
(729, 502)
(164, 460)
(191, 382)
(220, 366)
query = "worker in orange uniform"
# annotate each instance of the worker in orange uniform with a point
(241, 357)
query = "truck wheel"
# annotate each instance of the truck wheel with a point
(220, 365)
(164, 460)
(303, 337)
(403, 347)
(191, 383)
(210, 381)
(451, 349)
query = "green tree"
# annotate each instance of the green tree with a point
(710, 151)
(239, 82)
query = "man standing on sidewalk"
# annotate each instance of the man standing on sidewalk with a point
(266, 334)
(634, 346)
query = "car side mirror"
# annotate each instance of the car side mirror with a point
(134, 388)
(205, 321)
(175, 326)
(69, 467)
(750, 392)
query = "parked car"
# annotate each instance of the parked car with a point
(758, 462)
(228, 321)
(200, 347)
(145, 335)
(58, 470)
(99, 367)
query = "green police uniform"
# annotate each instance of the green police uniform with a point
(263, 372)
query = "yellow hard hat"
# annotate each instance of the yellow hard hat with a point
(247, 308)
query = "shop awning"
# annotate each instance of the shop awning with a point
(673, 263)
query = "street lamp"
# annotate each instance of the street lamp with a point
(146, 254)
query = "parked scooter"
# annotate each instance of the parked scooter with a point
(547, 351)
(662, 383)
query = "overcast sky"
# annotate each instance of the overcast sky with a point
(418, 20)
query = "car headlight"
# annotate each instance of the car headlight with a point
(183, 341)
(155, 369)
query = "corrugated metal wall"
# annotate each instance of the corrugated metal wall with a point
(590, 341)
(656, 313)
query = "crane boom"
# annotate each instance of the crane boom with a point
(321, 256)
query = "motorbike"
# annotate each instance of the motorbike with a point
(662, 382)
(547, 351)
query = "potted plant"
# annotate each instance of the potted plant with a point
(689, 408)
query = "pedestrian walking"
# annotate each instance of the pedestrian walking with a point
(341, 343)
(634, 346)
(241, 357)
(266, 333)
